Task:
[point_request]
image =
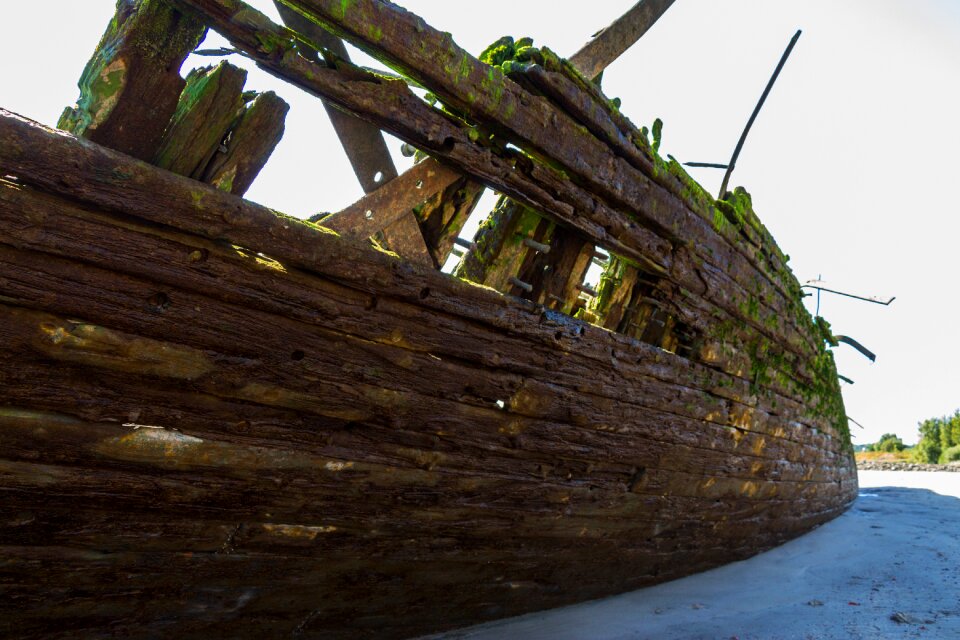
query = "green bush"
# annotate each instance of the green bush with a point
(890, 443)
(926, 451)
(950, 455)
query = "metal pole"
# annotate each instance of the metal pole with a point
(756, 110)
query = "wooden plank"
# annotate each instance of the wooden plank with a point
(208, 106)
(367, 152)
(391, 105)
(43, 157)
(251, 141)
(444, 214)
(611, 42)
(382, 207)
(532, 123)
(130, 87)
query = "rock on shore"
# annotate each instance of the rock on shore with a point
(876, 465)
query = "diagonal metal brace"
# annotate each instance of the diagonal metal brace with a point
(859, 347)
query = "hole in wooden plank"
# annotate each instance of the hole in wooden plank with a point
(637, 478)
(378, 176)
(297, 355)
(159, 301)
(368, 214)
(424, 293)
(419, 184)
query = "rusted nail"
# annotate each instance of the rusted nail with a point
(536, 246)
(517, 282)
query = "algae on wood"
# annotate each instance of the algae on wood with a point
(130, 87)
(209, 104)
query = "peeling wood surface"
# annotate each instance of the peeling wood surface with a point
(130, 87)
(209, 104)
(224, 421)
(251, 140)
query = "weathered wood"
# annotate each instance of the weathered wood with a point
(338, 450)
(607, 227)
(121, 184)
(72, 234)
(382, 101)
(362, 142)
(499, 249)
(443, 216)
(130, 87)
(565, 268)
(364, 146)
(533, 123)
(611, 42)
(209, 105)
(382, 207)
(251, 141)
(315, 438)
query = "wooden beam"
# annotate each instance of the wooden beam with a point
(210, 102)
(383, 207)
(590, 60)
(611, 42)
(367, 151)
(131, 85)
(252, 139)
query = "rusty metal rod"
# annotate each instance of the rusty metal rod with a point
(520, 284)
(536, 246)
(736, 152)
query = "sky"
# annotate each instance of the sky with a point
(851, 164)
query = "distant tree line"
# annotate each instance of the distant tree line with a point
(939, 440)
(889, 442)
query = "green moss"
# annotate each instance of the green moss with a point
(499, 52)
(657, 134)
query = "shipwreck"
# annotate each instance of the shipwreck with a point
(222, 421)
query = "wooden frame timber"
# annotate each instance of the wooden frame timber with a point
(221, 420)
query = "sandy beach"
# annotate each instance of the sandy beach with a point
(888, 568)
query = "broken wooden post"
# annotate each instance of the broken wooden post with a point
(134, 100)
(208, 106)
(248, 145)
(130, 87)
(610, 43)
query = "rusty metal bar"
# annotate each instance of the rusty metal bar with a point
(756, 110)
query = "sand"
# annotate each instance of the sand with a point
(894, 554)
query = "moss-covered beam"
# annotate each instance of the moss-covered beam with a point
(130, 87)
(210, 103)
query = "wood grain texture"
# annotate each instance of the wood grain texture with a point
(224, 421)
(130, 87)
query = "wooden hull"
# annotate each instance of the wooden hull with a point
(307, 436)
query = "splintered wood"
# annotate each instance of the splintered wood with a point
(222, 421)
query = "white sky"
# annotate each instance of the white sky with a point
(851, 164)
